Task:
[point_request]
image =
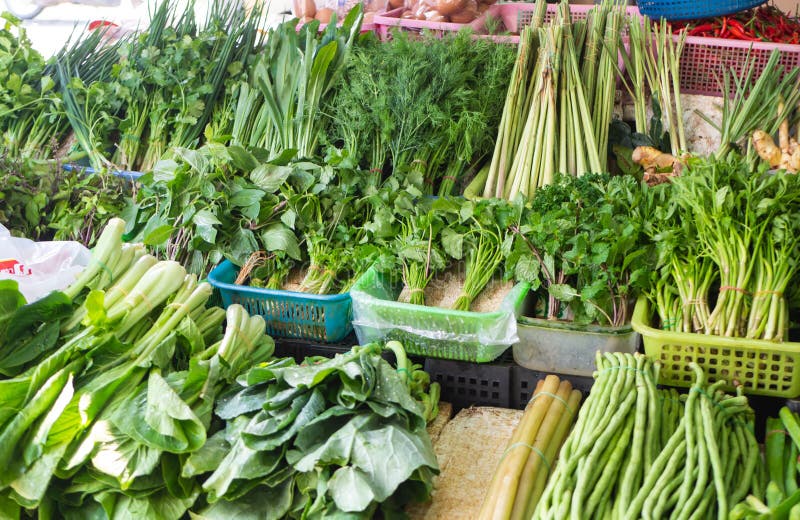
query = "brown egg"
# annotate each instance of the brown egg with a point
(407, 15)
(397, 4)
(482, 8)
(324, 15)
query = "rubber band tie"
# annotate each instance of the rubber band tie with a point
(729, 288)
(621, 367)
(776, 432)
(105, 268)
(558, 398)
(176, 305)
(710, 398)
(532, 448)
(403, 369)
(449, 178)
(417, 290)
(774, 293)
(146, 300)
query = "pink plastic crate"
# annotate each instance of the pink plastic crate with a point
(704, 59)
(384, 22)
(515, 16)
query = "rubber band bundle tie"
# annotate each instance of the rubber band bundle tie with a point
(729, 288)
(621, 367)
(402, 369)
(105, 268)
(147, 301)
(449, 178)
(773, 293)
(176, 305)
(558, 398)
(530, 447)
(668, 324)
(416, 290)
(695, 301)
(776, 432)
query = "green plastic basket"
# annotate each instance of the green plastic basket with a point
(430, 331)
(761, 367)
(288, 314)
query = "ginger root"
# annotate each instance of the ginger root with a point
(786, 154)
(766, 148)
(658, 166)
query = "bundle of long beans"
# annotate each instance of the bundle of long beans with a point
(638, 452)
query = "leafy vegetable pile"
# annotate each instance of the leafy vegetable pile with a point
(426, 109)
(33, 124)
(40, 201)
(165, 85)
(640, 452)
(728, 244)
(584, 242)
(339, 436)
(447, 233)
(114, 397)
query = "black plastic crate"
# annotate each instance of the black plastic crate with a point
(523, 383)
(467, 384)
(300, 349)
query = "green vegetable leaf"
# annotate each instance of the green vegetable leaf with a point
(277, 237)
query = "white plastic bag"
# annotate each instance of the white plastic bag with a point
(40, 267)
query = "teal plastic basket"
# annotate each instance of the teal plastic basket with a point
(289, 314)
(433, 332)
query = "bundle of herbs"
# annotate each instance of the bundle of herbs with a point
(559, 103)
(453, 237)
(164, 88)
(582, 245)
(213, 203)
(279, 107)
(727, 241)
(29, 104)
(426, 108)
(341, 233)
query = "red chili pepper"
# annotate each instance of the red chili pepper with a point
(739, 34)
(701, 29)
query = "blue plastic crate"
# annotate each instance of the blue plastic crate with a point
(289, 314)
(692, 9)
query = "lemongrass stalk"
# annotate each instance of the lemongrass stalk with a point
(674, 57)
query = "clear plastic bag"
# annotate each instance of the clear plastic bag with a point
(40, 267)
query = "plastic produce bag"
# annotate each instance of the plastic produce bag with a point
(433, 332)
(40, 267)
